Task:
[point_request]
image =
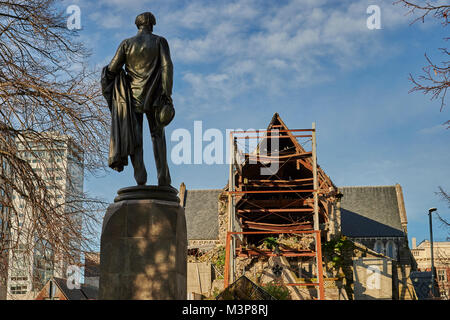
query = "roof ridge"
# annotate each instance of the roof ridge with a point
(60, 286)
(204, 189)
(379, 186)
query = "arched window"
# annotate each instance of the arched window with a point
(379, 246)
(391, 249)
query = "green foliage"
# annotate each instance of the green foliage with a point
(214, 294)
(277, 291)
(270, 242)
(220, 262)
(335, 249)
(336, 252)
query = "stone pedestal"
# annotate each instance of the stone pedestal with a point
(144, 246)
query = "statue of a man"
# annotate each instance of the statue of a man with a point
(144, 87)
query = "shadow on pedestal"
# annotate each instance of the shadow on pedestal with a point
(144, 246)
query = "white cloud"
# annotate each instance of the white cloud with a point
(441, 129)
(296, 37)
(108, 20)
(229, 48)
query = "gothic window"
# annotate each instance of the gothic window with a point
(391, 249)
(379, 246)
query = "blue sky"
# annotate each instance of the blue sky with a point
(237, 62)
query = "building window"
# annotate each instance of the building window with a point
(379, 246)
(19, 278)
(18, 289)
(441, 275)
(391, 249)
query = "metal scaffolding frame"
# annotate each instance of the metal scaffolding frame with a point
(316, 253)
(234, 229)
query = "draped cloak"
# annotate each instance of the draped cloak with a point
(123, 139)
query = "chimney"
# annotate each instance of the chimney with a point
(414, 243)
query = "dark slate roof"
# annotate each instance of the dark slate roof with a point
(90, 292)
(371, 211)
(201, 208)
(84, 293)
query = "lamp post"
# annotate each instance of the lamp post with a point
(430, 211)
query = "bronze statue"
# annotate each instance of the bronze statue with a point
(144, 87)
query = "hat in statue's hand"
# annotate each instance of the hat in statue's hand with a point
(166, 112)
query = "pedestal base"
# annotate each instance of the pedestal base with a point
(144, 246)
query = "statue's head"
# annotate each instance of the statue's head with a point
(145, 20)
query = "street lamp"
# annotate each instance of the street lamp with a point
(430, 211)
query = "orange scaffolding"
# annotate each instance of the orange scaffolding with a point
(317, 253)
(290, 187)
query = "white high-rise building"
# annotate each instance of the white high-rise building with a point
(4, 228)
(59, 162)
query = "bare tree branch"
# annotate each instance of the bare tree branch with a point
(48, 97)
(445, 196)
(435, 79)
